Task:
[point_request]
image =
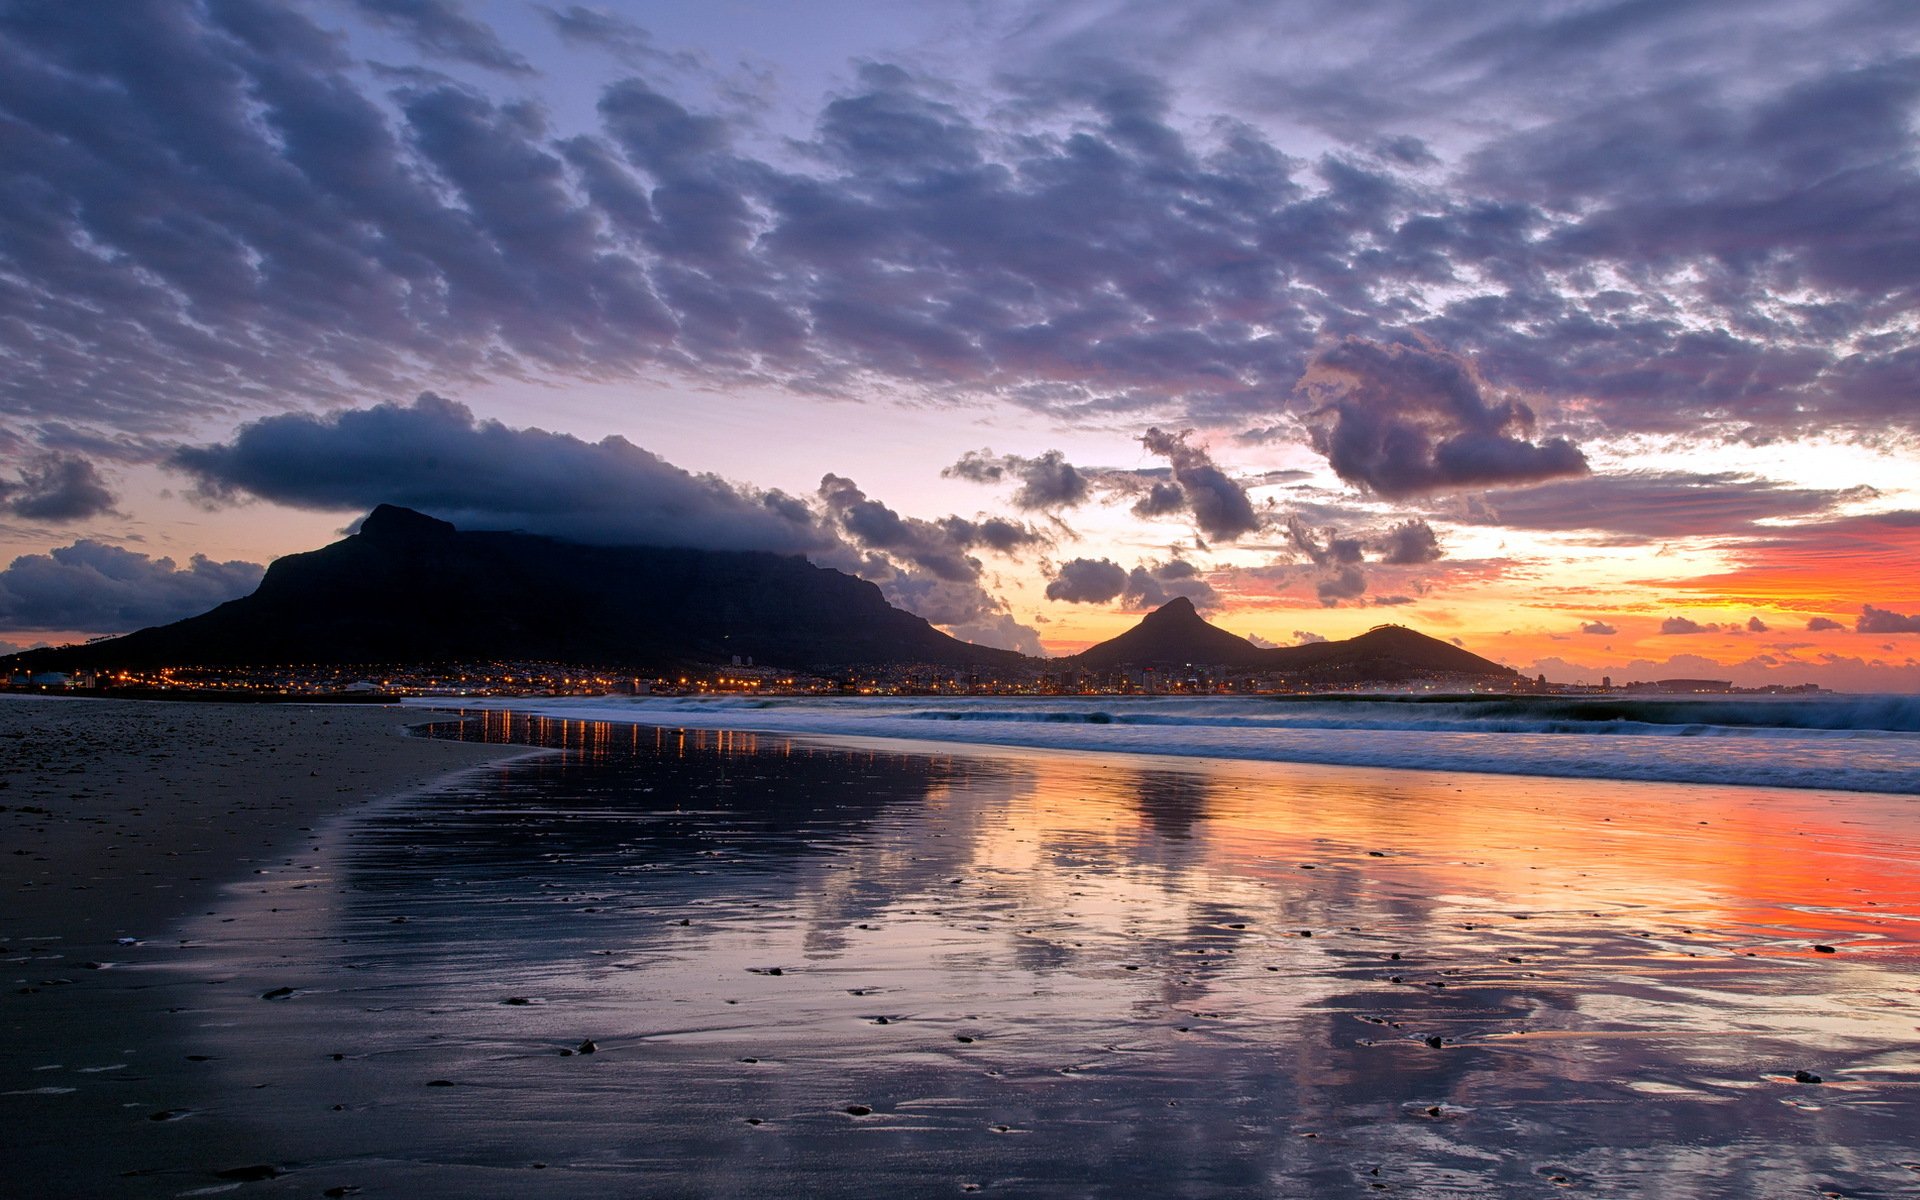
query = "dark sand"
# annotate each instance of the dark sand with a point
(121, 820)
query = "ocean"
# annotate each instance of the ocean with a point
(1854, 743)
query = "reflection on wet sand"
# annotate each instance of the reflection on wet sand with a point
(808, 968)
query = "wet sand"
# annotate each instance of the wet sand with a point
(120, 820)
(724, 964)
(679, 963)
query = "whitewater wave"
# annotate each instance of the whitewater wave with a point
(1855, 743)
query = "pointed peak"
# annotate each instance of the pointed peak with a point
(1173, 634)
(390, 522)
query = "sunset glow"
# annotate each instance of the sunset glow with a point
(1585, 342)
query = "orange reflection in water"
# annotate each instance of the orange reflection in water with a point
(1748, 869)
(1752, 870)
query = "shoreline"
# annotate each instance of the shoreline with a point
(121, 818)
(1888, 765)
(121, 822)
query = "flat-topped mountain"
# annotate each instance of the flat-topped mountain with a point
(1176, 635)
(410, 588)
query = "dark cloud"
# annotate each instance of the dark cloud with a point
(1408, 543)
(1656, 504)
(1327, 549)
(1339, 557)
(1087, 581)
(925, 566)
(56, 487)
(441, 29)
(434, 456)
(583, 25)
(1147, 586)
(1625, 220)
(1408, 420)
(961, 607)
(1683, 625)
(1346, 583)
(1046, 482)
(1598, 627)
(937, 546)
(1880, 620)
(1159, 499)
(1756, 625)
(92, 587)
(1218, 504)
(1818, 624)
(1153, 584)
(998, 534)
(1391, 600)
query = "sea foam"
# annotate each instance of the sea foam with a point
(1853, 743)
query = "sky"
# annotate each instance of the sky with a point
(1583, 334)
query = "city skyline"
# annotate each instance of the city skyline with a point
(1584, 335)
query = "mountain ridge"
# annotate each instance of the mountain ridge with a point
(1176, 635)
(407, 587)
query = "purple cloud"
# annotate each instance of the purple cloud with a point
(1403, 420)
(1880, 620)
(1633, 243)
(1148, 586)
(1046, 482)
(1408, 543)
(57, 487)
(1220, 506)
(93, 587)
(435, 456)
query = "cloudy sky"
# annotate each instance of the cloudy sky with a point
(1584, 332)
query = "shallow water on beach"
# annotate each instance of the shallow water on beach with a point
(1850, 743)
(825, 969)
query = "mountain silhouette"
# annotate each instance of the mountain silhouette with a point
(408, 588)
(1386, 653)
(1176, 635)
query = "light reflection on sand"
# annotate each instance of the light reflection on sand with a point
(1078, 974)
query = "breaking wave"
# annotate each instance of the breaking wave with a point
(1857, 743)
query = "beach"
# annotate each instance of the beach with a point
(674, 961)
(119, 820)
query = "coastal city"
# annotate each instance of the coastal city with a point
(373, 682)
